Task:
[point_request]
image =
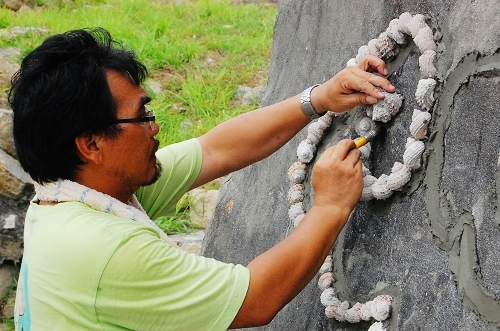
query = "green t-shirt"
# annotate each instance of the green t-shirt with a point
(87, 270)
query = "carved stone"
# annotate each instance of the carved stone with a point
(433, 246)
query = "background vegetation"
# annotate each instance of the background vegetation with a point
(198, 52)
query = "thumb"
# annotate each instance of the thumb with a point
(356, 99)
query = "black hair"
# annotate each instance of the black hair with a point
(61, 92)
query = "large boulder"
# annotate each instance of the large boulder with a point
(6, 138)
(16, 187)
(7, 69)
(433, 246)
(12, 216)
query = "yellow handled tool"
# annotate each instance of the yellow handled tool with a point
(361, 141)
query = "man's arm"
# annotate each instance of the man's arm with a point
(253, 136)
(279, 274)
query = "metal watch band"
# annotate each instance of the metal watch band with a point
(306, 105)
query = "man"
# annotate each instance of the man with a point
(93, 258)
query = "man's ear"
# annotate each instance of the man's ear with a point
(89, 148)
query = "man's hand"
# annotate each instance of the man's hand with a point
(338, 178)
(257, 134)
(353, 86)
(279, 274)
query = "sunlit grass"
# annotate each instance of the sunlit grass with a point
(199, 52)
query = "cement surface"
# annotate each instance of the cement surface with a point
(434, 246)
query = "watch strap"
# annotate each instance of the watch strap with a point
(306, 105)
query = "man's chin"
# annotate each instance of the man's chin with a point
(157, 174)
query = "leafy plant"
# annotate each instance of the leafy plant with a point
(8, 301)
(181, 221)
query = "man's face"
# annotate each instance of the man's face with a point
(130, 158)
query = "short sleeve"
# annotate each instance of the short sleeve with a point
(181, 165)
(148, 285)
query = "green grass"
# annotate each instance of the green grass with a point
(8, 322)
(198, 51)
(8, 300)
(181, 221)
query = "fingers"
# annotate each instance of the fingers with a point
(361, 87)
(354, 99)
(353, 156)
(337, 176)
(368, 83)
(353, 86)
(345, 150)
(372, 62)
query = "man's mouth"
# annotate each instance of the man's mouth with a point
(155, 148)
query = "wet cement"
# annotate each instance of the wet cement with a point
(464, 170)
(435, 245)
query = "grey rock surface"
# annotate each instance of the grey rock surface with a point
(434, 246)
(16, 186)
(6, 138)
(7, 273)
(7, 69)
(12, 216)
(14, 179)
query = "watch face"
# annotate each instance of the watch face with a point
(305, 103)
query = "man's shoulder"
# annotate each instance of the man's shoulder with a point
(181, 165)
(72, 232)
(80, 220)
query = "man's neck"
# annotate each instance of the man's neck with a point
(47, 203)
(107, 186)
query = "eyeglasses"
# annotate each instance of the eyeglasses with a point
(149, 117)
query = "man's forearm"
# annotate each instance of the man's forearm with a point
(279, 274)
(250, 137)
(257, 134)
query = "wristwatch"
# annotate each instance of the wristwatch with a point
(306, 105)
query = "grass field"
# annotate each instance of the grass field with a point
(198, 52)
